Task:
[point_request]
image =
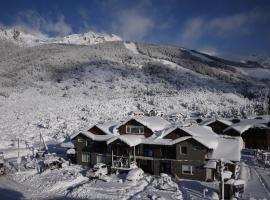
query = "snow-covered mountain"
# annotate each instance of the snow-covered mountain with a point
(88, 38)
(24, 38)
(54, 88)
(21, 37)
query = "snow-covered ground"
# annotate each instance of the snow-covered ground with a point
(257, 179)
(71, 183)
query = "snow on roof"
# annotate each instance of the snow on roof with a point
(236, 182)
(130, 140)
(181, 139)
(163, 133)
(211, 164)
(223, 121)
(68, 144)
(228, 148)
(108, 128)
(226, 174)
(71, 151)
(93, 136)
(154, 123)
(246, 124)
(202, 134)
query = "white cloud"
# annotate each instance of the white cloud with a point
(33, 21)
(234, 25)
(132, 25)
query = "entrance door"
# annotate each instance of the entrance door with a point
(165, 167)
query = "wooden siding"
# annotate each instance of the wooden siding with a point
(84, 144)
(122, 129)
(257, 138)
(158, 151)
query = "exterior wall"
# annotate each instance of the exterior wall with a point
(196, 154)
(218, 127)
(199, 174)
(86, 145)
(257, 138)
(158, 151)
(122, 129)
(232, 132)
(195, 151)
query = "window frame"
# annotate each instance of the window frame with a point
(129, 128)
(180, 150)
(86, 157)
(191, 168)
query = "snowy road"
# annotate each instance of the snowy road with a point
(10, 190)
(257, 179)
(256, 186)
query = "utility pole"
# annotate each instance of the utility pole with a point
(221, 171)
(18, 159)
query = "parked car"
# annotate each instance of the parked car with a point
(135, 174)
(99, 169)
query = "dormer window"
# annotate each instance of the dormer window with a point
(134, 129)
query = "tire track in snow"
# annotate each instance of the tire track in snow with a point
(263, 182)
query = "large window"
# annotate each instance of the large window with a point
(134, 129)
(188, 169)
(183, 150)
(86, 157)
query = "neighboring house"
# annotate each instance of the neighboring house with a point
(218, 125)
(157, 147)
(255, 132)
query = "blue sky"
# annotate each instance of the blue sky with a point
(228, 28)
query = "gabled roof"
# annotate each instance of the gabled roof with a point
(92, 136)
(130, 140)
(154, 123)
(161, 141)
(246, 124)
(107, 128)
(163, 133)
(210, 121)
(202, 134)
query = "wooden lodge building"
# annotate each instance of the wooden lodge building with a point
(254, 132)
(157, 146)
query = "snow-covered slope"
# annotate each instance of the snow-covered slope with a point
(57, 89)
